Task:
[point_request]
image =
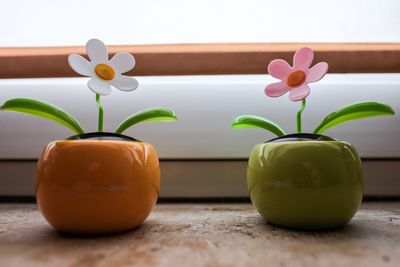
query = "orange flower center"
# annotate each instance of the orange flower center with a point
(296, 78)
(104, 71)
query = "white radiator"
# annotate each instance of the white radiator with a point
(202, 155)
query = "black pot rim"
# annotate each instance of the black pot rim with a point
(301, 137)
(102, 136)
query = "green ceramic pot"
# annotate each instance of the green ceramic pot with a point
(305, 181)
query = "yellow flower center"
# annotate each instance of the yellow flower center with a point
(104, 71)
(296, 78)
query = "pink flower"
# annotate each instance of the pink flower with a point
(295, 79)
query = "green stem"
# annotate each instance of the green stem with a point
(303, 105)
(100, 123)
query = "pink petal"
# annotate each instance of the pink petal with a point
(303, 58)
(299, 93)
(317, 72)
(276, 89)
(279, 68)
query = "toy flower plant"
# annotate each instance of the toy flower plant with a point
(96, 183)
(305, 180)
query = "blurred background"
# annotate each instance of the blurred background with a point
(201, 155)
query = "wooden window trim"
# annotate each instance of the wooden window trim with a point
(204, 59)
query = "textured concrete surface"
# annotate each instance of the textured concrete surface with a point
(204, 235)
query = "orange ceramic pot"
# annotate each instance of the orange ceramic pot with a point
(97, 186)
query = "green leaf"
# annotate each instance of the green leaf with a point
(44, 110)
(151, 114)
(250, 121)
(353, 111)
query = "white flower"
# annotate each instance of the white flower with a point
(104, 72)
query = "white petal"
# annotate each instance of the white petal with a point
(97, 51)
(80, 65)
(122, 62)
(125, 83)
(99, 86)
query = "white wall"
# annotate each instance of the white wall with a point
(73, 22)
(205, 106)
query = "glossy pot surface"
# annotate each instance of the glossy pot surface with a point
(97, 186)
(305, 184)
